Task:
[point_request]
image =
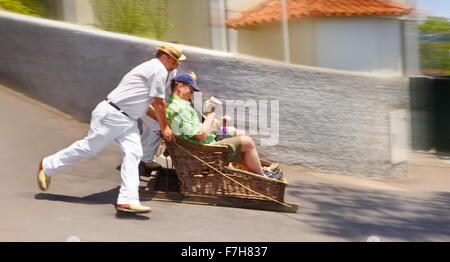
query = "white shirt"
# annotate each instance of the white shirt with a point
(134, 93)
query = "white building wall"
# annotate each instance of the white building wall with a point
(84, 13)
(233, 8)
(359, 44)
(190, 23)
(323, 42)
(262, 41)
(78, 12)
(411, 47)
(217, 12)
(238, 6)
(303, 41)
(69, 11)
(190, 20)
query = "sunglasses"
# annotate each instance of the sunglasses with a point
(190, 88)
(173, 60)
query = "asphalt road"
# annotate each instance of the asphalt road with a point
(79, 203)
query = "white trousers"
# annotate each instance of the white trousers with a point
(107, 125)
(150, 138)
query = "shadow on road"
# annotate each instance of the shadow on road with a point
(102, 198)
(357, 214)
(125, 216)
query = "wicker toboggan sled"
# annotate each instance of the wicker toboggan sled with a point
(204, 177)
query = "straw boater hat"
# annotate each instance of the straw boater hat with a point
(173, 51)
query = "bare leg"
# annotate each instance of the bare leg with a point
(250, 156)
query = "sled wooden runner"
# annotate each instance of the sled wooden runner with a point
(158, 190)
(202, 176)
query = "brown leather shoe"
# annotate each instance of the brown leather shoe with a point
(133, 208)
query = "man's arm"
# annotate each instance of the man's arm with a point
(207, 126)
(159, 104)
(151, 112)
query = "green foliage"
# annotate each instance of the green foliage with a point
(26, 7)
(435, 24)
(434, 46)
(145, 18)
(435, 57)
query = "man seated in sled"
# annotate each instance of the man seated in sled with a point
(184, 121)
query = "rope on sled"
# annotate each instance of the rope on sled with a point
(215, 169)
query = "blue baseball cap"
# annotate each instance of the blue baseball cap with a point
(188, 79)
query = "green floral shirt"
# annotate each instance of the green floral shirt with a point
(184, 121)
